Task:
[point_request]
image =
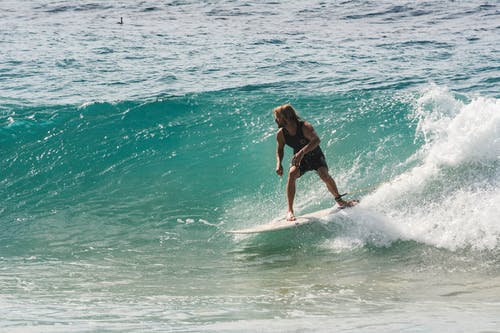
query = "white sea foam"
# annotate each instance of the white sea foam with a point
(456, 133)
(452, 198)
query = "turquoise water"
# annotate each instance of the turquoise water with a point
(127, 152)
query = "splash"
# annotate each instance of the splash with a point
(451, 199)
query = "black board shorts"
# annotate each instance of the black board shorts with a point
(312, 161)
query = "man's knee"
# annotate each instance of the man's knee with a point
(294, 173)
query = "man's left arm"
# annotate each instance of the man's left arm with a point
(314, 141)
(310, 135)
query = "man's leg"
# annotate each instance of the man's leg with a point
(332, 187)
(330, 183)
(293, 174)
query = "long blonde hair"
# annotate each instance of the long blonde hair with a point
(287, 112)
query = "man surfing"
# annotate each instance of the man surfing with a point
(300, 135)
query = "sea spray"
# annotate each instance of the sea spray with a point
(451, 199)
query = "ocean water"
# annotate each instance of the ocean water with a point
(128, 150)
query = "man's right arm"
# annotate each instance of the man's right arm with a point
(280, 150)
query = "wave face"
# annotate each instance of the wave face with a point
(431, 157)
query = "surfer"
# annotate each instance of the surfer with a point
(300, 135)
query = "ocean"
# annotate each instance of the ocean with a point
(128, 150)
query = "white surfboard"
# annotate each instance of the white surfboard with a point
(280, 224)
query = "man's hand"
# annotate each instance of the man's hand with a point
(297, 158)
(279, 170)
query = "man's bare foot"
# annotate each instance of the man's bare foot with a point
(346, 203)
(290, 216)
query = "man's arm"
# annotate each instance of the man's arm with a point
(314, 141)
(280, 151)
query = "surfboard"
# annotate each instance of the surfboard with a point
(282, 223)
